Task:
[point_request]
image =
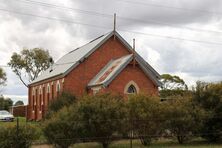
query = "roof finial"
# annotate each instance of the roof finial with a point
(114, 27)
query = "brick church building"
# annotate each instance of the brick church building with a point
(106, 64)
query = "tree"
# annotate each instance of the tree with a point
(184, 118)
(172, 86)
(65, 99)
(100, 117)
(209, 97)
(62, 129)
(5, 103)
(92, 118)
(19, 103)
(30, 62)
(146, 115)
(2, 77)
(172, 82)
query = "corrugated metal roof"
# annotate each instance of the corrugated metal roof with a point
(112, 69)
(71, 59)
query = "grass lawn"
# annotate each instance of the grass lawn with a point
(22, 122)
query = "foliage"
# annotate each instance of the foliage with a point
(145, 113)
(5, 103)
(92, 118)
(22, 137)
(209, 97)
(2, 77)
(62, 130)
(65, 99)
(168, 94)
(172, 82)
(102, 116)
(19, 103)
(183, 117)
(172, 86)
(31, 62)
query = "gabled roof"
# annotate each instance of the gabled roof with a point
(110, 71)
(72, 59)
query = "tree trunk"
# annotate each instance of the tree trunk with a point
(180, 139)
(105, 145)
(145, 140)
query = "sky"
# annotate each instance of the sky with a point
(178, 37)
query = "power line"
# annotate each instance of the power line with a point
(55, 19)
(96, 26)
(111, 16)
(174, 38)
(169, 7)
(63, 7)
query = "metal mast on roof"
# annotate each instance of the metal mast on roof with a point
(134, 52)
(114, 26)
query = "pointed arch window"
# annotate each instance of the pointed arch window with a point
(131, 89)
(48, 92)
(40, 98)
(48, 88)
(33, 98)
(58, 88)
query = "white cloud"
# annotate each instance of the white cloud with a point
(191, 61)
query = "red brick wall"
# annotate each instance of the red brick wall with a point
(135, 74)
(36, 112)
(19, 111)
(77, 80)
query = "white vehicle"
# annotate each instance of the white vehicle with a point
(6, 116)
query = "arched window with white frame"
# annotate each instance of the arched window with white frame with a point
(33, 98)
(40, 98)
(131, 88)
(48, 92)
(58, 87)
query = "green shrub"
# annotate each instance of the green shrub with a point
(183, 117)
(65, 99)
(61, 129)
(145, 113)
(21, 137)
(209, 97)
(102, 117)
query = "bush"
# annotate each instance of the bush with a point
(61, 129)
(183, 117)
(102, 117)
(209, 97)
(92, 118)
(22, 137)
(65, 99)
(145, 113)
